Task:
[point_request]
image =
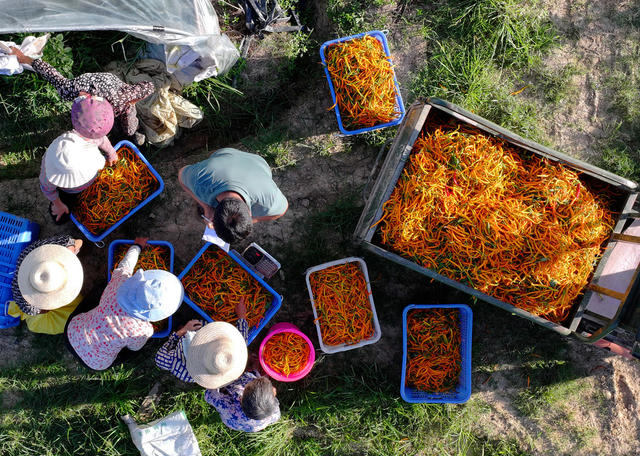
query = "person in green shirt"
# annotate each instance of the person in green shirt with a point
(234, 190)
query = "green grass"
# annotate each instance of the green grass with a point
(273, 145)
(621, 146)
(357, 410)
(31, 111)
(481, 53)
(355, 16)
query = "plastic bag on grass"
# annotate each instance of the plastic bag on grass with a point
(168, 436)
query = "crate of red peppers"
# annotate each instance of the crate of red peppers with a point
(436, 358)
(363, 85)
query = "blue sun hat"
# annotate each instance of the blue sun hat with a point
(150, 295)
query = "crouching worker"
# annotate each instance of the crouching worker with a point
(122, 320)
(233, 189)
(72, 162)
(214, 356)
(46, 287)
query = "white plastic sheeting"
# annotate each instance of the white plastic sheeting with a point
(192, 23)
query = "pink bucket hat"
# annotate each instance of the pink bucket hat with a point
(92, 117)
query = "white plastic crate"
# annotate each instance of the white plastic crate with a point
(376, 326)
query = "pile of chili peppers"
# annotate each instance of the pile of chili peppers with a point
(286, 353)
(342, 304)
(116, 191)
(511, 225)
(215, 283)
(363, 81)
(433, 350)
(151, 257)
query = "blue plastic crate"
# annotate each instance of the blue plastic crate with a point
(99, 237)
(112, 250)
(462, 392)
(271, 310)
(16, 233)
(400, 105)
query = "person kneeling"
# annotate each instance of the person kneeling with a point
(127, 306)
(215, 356)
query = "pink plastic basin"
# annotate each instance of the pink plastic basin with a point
(291, 328)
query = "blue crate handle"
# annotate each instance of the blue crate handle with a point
(112, 250)
(380, 36)
(271, 310)
(463, 391)
(97, 238)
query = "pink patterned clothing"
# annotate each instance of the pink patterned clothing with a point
(98, 335)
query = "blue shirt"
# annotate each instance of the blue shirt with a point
(171, 357)
(231, 170)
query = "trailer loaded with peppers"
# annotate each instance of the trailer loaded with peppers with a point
(509, 221)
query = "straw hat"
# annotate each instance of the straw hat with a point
(217, 355)
(150, 295)
(71, 161)
(50, 277)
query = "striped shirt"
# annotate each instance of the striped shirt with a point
(171, 357)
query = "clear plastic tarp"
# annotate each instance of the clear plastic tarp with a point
(187, 23)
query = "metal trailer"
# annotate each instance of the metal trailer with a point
(619, 332)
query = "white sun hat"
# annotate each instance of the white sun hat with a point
(217, 355)
(50, 277)
(71, 161)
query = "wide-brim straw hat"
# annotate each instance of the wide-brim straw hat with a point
(71, 161)
(50, 277)
(217, 355)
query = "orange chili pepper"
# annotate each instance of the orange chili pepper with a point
(342, 302)
(433, 350)
(507, 223)
(364, 86)
(286, 353)
(116, 191)
(215, 283)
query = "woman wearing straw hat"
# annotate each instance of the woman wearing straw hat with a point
(214, 356)
(72, 161)
(122, 320)
(46, 287)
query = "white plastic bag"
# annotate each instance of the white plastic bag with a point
(31, 47)
(168, 436)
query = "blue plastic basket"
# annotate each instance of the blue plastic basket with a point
(271, 310)
(112, 250)
(383, 39)
(99, 237)
(462, 392)
(16, 233)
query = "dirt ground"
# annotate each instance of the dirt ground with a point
(598, 411)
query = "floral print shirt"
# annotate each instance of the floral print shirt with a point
(98, 336)
(105, 85)
(226, 400)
